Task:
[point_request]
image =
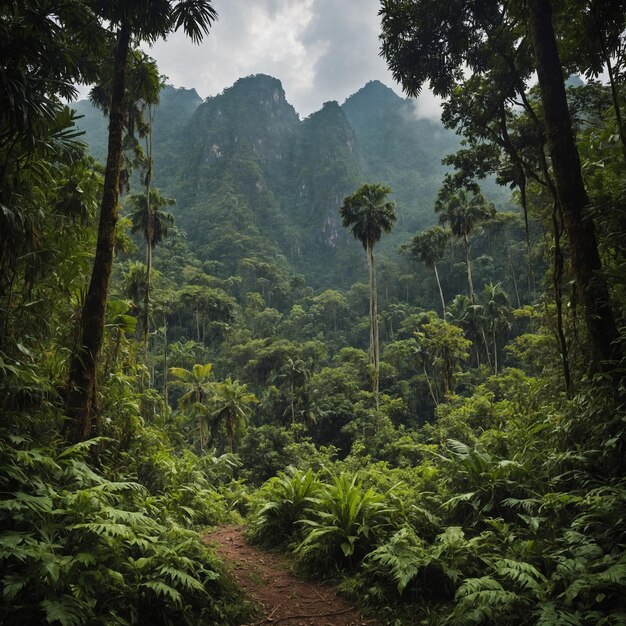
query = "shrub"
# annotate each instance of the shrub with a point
(77, 548)
(283, 501)
(344, 524)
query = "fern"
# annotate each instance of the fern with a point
(403, 556)
(343, 525)
(523, 575)
(80, 549)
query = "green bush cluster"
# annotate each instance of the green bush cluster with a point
(79, 549)
(196, 490)
(491, 531)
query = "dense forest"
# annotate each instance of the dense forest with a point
(392, 348)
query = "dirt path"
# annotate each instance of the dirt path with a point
(282, 597)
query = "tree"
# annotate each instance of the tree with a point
(328, 304)
(199, 392)
(143, 21)
(233, 405)
(428, 248)
(48, 189)
(368, 214)
(570, 187)
(496, 311)
(463, 211)
(426, 40)
(148, 218)
(442, 347)
(293, 376)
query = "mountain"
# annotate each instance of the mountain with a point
(256, 186)
(175, 107)
(400, 150)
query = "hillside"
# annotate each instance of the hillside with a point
(252, 179)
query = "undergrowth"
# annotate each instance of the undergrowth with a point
(77, 548)
(492, 531)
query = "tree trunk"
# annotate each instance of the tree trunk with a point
(374, 357)
(495, 351)
(468, 261)
(616, 106)
(519, 302)
(443, 301)
(149, 238)
(146, 306)
(81, 395)
(557, 280)
(571, 191)
(165, 390)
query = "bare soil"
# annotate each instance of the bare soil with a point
(282, 597)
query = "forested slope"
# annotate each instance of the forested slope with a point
(245, 161)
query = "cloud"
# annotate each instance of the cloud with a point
(320, 50)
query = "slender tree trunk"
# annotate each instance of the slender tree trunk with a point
(149, 237)
(430, 387)
(443, 301)
(495, 352)
(616, 106)
(81, 395)
(573, 199)
(557, 280)
(165, 390)
(374, 357)
(146, 305)
(486, 343)
(468, 262)
(524, 201)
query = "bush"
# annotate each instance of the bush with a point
(79, 549)
(283, 501)
(343, 525)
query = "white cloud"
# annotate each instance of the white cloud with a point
(319, 49)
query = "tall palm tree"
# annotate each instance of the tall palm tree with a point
(139, 21)
(463, 210)
(496, 311)
(199, 388)
(233, 405)
(428, 248)
(368, 214)
(293, 376)
(148, 218)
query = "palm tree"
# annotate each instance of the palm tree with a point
(496, 312)
(293, 376)
(148, 218)
(428, 248)
(467, 316)
(199, 392)
(233, 405)
(463, 210)
(143, 20)
(368, 214)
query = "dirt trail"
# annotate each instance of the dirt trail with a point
(282, 597)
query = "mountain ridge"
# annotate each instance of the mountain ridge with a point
(245, 167)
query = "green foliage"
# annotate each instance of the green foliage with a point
(345, 521)
(194, 490)
(79, 549)
(460, 497)
(401, 557)
(283, 502)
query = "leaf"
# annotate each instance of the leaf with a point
(12, 585)
(163, 590)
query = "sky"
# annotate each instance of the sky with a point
(319, 49)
